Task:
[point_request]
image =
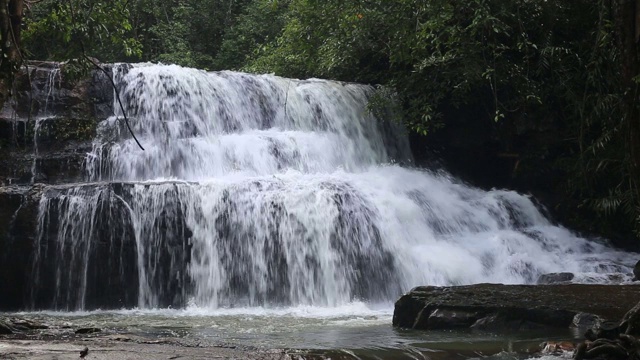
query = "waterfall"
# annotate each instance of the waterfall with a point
(256, 190)
(50, 91)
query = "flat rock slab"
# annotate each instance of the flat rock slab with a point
(115, 350)
(496, 307)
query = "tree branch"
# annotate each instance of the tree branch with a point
(124, 114)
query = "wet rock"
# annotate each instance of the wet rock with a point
(495, 307)
(54, 115)
(621, 348)
(17, 325)
(555, 278)
(6, 328)
(90, 330)
(586, 320)
(502, 321)
(18, 215)
(630, 323)
(603, 330)
(636, 271)
(557, 347)
(46, 90)
(27, 325)
(612, 340)
(616, 278)
(450, 319)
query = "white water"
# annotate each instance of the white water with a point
(50, 92)
(289, 193)
(197, 126)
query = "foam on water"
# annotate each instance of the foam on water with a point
(353, 312)
(259, 192)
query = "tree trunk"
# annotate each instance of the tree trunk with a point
(10, 57)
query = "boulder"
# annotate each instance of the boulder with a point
(586, 320)
(555, 278)
(636, 271)
(496, 307)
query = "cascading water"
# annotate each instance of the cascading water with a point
(50, 90)
(256, 190)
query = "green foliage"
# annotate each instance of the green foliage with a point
(258, 26)
(187, 33)
(384, 104)
(68, 29)
(431, 52)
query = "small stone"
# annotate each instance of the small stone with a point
(87, 330)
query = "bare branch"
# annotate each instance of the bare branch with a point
(124, 114)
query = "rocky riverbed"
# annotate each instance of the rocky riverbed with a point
(27, 339)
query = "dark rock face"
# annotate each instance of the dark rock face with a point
(47, 127)
(636, 271)
(495, 307)
(74, 247)
(98, 267)
(46, 90)
(18, 216)
(29, 256)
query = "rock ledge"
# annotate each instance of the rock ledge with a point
(496, 307)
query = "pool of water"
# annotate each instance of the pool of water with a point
(354, 331)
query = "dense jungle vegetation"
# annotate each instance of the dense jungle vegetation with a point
(542, 95)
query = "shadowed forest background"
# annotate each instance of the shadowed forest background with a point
(540, 96)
